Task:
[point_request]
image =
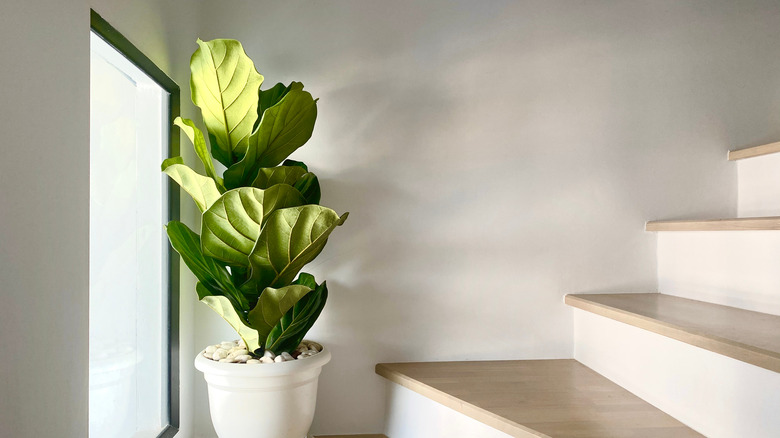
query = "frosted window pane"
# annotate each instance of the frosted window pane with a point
(128, 265)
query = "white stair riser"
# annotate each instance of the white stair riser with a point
(733, 268)
(758, 185)
(411, 415)
(718, 396)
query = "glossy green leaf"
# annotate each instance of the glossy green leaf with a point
(296, 176)
(199, 143)
(213, 276)
(272, 305)
(230, 227)
(306, 279)
(171, 161)
(225, 86)
(271, 97)
(291, 238)
(202, 189)
(242, 173)
(288, 333)
(225, 309)
(284, 128)
(300, 164)
(269, 176)
(309, 186)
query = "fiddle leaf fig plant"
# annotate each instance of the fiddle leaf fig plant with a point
(261, 221)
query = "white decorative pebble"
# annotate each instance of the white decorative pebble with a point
(236, 351)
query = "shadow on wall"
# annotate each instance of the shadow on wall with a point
(496, 157)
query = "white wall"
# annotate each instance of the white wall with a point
(494, 156)
(44, 175)
(412, 415)
(497, 155)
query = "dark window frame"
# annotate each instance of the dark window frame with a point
(112, 36)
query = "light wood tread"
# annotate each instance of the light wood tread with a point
(351, 436)
(755, 151)
(536, 398)
(744, 335)
(736, 224)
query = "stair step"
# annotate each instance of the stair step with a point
(744, 335)
(536, 398)
(351, 436)
(737, 269)
(755, 151)
(735, 224)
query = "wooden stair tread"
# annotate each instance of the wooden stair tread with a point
(744, 335)
(351, 436)
(755, 151)
(536, 398)
(735, 224)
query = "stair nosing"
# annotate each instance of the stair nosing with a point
(755, 151)
(535, 384)
(737, 350)
(477, 413)
(761, 223)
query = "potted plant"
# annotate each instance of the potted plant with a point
(261, 223)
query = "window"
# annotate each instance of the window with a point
(133, 389)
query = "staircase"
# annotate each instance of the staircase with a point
(701, 356)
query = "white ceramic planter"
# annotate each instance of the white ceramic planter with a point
(263, 400)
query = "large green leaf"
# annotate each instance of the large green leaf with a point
(300, 164)
(203, 189)
(284, 128)
(291, 238)
(288, 333)
(223, 307)
(309, 186)
(296, 176)
(272, 305)
(269, 176)
(225, 86)
(213, 276)
(271, 97)
(230, 227)
(199, 143)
